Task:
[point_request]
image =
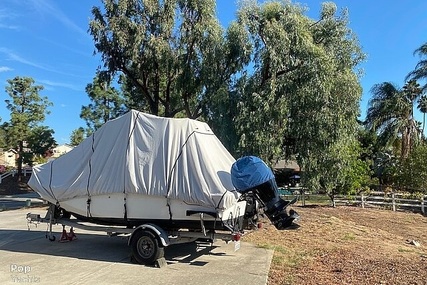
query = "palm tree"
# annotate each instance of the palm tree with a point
(422, 106)
(412, 90)
(390, 113)
(420, 71)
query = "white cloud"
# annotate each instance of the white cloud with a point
(5, 19)
(60, 84)
(5, 68)
(48, 7)
(9, 27)
(67, 47)
(15, 57)
(11, 55)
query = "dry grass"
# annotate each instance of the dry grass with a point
(347, 245)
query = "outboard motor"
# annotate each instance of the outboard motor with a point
(250, 174)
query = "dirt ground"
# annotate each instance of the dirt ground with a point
(10, 186)
(348, 245)
(343, 245)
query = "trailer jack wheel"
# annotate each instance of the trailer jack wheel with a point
(52, 238)
(145, 248)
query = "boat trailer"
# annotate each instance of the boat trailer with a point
(147, 241)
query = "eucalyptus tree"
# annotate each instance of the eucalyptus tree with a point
(390, 113)
(172, 53)
(304, 86)
(27, 110)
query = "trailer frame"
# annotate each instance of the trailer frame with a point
(147, 241)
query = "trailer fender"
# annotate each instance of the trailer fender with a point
(163, 236)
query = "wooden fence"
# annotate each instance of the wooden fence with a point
(392, 201)
(25, 172)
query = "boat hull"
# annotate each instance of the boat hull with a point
(133, 210)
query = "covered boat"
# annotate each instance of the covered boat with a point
(142, 168)
(162, 181)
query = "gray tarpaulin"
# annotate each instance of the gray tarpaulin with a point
(143, 154)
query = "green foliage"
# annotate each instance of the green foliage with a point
(273, 74)
(3, 136)
(369, 144)
(172, 54)
(420, 71)
(26, 106)
(347, 172)
(422, 106)
(390, 113)
(27, 111)
(107, 103)
(343, 171)
(413, 176)
(77, 136)
(304, 87)
(386, 168)
(40, 141)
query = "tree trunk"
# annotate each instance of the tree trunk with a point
(20, 160)
(424, 124)
(406, 143)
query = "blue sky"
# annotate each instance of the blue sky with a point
(48, 41)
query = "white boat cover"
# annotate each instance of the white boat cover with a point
(143, 154)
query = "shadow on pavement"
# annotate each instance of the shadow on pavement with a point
(96, 247)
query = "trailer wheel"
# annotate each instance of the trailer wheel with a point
(145, 247)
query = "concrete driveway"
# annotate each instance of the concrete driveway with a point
(26, 256)
(11, 202)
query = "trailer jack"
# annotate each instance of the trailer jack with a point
(67, 237)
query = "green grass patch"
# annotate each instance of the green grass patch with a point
(276, 248)
(400, 249)
(348, 237)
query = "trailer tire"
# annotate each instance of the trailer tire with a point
(146, 248)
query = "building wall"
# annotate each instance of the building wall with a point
(8, 158)
(61, 149)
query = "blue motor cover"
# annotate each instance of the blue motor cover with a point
(248, 172)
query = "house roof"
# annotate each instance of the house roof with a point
(287, 164)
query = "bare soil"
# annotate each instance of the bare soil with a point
(348, 245)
